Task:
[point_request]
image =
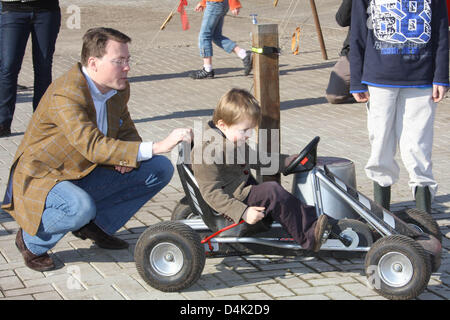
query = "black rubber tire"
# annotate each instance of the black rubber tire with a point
(361, 229)
(180, 236)
(182, 212)
(421, 220)
(419, 259)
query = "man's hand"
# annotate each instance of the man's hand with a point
(199, 7)
(361, 96)
(439, 92)
(253, 214)
(235, 12)
(176, 136)
(123, 169)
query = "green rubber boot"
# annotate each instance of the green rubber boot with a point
(423, 199)
(382, 195)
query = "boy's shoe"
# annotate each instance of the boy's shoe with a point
(202, 74)
(248, 63)
(101, 238)
(321, 232)
(38, 263)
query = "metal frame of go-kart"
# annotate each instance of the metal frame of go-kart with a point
(380, 219)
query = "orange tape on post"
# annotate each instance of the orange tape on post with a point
(295, 45)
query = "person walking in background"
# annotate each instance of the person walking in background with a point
(211, 31)
(399, 65)
(338, 90)
(41, 19)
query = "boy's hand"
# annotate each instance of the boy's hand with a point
(235, 12)
(289, 159)
(361, 96)
(439, 92)
(199, 7)
(253, 214)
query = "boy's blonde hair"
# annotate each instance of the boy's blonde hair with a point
(236, 105)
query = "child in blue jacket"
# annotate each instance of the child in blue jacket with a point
(399, 65)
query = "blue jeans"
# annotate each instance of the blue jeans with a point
(15, 28)
(105, 196)
(211, 29)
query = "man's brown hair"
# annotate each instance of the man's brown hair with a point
(95, 39)
(236, 105)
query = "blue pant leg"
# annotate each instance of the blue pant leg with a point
(119, 196)
(0, 33)
(67, 208)
(211, 17)
(15, 29)
(218, 38)
(44, 32)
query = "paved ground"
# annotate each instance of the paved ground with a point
(164, 98)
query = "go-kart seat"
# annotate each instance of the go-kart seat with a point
(213, 220)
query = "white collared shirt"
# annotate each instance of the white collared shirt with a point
(145, 148)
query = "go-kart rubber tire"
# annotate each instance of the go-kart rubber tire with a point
(414, 253)
(361, 229)
(422, 219)
(182, 212)
(177, 235)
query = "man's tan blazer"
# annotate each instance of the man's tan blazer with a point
(62, 142)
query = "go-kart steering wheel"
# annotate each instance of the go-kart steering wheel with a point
(302, 156)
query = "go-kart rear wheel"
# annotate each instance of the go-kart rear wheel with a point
(355, 231)
(421, 220)
(397, 267)
(169, 256)
(183, 211)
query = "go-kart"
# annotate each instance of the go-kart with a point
(402, 249)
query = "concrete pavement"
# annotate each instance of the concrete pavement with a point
(163, 98)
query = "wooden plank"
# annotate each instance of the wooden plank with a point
(267, 87)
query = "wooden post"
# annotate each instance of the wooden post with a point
(267, 86)
(318, 29)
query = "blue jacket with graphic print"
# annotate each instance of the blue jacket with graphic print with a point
(398, 43)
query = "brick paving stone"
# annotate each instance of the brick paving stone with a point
(10, 283)
(358, 289)
(332, 281)
(276, 290)
(317, 290)
(26, 291)
(47, 296)
(256, 296)
(308, 297)
(341, 296)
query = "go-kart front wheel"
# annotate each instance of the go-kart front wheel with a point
(397, 267)
(169, 256)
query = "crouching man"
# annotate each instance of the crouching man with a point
(82, 166)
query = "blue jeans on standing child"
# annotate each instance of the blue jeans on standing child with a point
(211, 29)
(105, 196)
(15, 28)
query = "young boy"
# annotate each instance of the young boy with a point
(399, 60)
(226, 184)
(211, 31)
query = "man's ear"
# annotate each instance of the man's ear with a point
(92, 64)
